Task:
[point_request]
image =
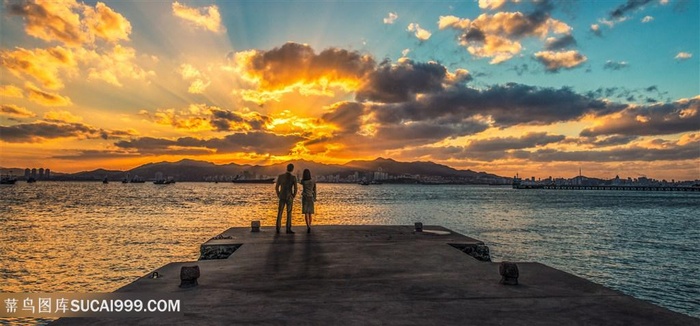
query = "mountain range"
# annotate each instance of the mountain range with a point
(193, 170)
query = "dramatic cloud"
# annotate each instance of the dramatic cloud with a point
(70, 22)
(207, 18)
(391, 83)
(297, 66)
(44, 65)
(224, 120)
(498, 36)
(672, 152)
(554, 61)
(683, 56)
(391, 18)
(420, 33)
(41, 131)
(11, 91)
(612, 65)
(595, 29)
(45, 98)
(655, 119)
(251, 142)
(529, 140)
(15, 111)
(345, 116)
(502, 105)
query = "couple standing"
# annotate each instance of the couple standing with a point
(286, 188)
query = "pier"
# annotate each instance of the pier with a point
(621, 188)
(376, 275)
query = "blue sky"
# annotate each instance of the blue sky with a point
(505, 86)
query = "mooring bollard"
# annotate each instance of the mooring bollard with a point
(419, 227)
(189, 276)
(255, 226)
(509, 273)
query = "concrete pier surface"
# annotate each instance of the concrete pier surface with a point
(378, 275)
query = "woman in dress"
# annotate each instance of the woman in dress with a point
(308, 197)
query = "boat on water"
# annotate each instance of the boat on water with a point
(164, 182)
(7, 180)
(31, 180)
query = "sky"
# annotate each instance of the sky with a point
(538, 88)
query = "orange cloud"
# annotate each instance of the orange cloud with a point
(45, 98)
(205, 17)
(70, 22)
(44, 65)
(62, 116)
(296, 66)
(554, 61)
(105, 23)
(11, 91)
(16, 111)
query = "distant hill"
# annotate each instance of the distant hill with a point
(193, 170)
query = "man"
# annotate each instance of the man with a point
(286, 188)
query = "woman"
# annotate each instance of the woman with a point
(308, 197)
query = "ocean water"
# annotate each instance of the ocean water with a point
(94, 237)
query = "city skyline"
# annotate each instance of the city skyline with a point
(539, 88)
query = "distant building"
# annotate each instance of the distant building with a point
(380, 175)
(34, 172)
(41, 173)
(27, 173)
(47, 174)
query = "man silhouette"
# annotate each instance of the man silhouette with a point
(286, 188)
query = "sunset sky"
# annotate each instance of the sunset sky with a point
(539, 88)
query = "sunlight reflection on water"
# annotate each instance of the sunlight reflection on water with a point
(90, 237)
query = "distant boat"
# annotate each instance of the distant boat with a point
(105, 181)
(31, 180)
(364, 183)
(7, 180)
(164, 181)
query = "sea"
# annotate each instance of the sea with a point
(93, 237)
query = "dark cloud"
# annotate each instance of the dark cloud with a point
(251, 142)
(507, 105)
(427, 132)
(614, 140)
(507, 143)
(41, 131)
(225, 120)
(655, 119)
(347, 116)
(392, 83)
(612, 65)
(636, 153)
(669, 152)
(94, 154)
(560, 43)
(630, 5)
